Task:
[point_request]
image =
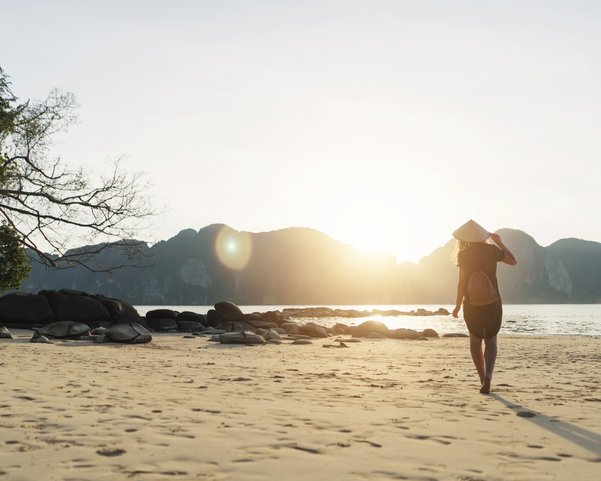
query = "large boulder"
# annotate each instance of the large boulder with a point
(159, 324)
(273, 335)
(429, 333)
(64, 330)
(25, 310)
(272, 316)
(188, 321)
(261, 324)
(132, 333)
(191, 316)
(162, 314)
(403, 333)
(189, 326)
(235, 326)
(120, 311)
(369, 327)
(291, 327)
(214, 317)
(340, 328)
(227, 308)
(312, 330)
(241, 337)
(76, 307)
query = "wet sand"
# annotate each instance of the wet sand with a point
(380, 409)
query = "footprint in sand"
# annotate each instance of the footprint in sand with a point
(423, 437)
(525, 414)
(110, 452)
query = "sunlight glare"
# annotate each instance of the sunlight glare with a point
(233, 248)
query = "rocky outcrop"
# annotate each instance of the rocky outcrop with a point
(78, 311)
(276, 326)
(214, 317)
(322, 312)
(133, 333)
(228, 308)
(64, 330)
(77, 306)
(36, 310)
(191, 316)
(241, 337)
(120, 311)
(162, 325)
(190, 321)
(406, 334)
(162, 320)
(162, 314)
(369, 327)
(313, 330)
(25, 310)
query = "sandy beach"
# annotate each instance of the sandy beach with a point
(181, 408)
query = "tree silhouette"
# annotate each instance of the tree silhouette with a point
(46, 204)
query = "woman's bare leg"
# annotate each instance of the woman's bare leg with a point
(477, 356)
(490, 356)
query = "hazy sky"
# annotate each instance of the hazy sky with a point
(385, 124)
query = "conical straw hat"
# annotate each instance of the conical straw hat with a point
(471, 231)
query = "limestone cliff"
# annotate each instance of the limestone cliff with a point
(304, 266)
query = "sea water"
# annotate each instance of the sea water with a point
(525, 319)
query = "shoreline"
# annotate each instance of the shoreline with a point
(181, 408)
(522, 319)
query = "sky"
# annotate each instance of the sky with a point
(384, 124)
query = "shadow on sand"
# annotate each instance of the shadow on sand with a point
(582, 437)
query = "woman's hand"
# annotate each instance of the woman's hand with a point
(509, 259)
(456, 312)
(495, 237)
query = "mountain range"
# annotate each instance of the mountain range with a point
(305, 266)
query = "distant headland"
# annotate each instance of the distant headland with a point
(303, 266)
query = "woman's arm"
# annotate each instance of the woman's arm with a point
(460, 292)
(508, 259)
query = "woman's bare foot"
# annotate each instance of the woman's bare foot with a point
(485, 389)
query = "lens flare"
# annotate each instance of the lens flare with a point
(233, 248)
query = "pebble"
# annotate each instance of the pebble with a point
(525, 414)
(39, 338)
(5, 333)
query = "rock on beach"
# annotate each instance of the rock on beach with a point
(92, 311)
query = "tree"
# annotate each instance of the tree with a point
(45, 204)
(14, 266)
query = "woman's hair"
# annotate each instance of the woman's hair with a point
(459, 246)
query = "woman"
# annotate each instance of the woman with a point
(474, 255)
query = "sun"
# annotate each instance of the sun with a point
(373, 238)
(404, 241)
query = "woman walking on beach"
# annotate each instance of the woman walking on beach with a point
(478, 289)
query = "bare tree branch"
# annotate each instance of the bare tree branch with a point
(47, 203)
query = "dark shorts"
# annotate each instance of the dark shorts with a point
(483, 321)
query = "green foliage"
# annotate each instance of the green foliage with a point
(14, 265)
(8, 116)
(8, 113)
